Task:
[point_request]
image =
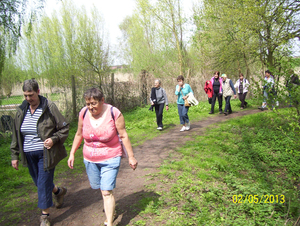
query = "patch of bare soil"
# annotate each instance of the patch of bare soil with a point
(83, 206)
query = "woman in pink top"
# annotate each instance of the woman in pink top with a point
(99, 125)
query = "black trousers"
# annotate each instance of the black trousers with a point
(213, 101)
(159, 108)
(242, 97)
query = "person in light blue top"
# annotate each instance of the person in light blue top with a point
(181, 91)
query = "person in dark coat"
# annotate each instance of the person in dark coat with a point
(158, 99)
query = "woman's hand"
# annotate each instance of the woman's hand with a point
(132, 162)
(167, 108)
(48, 143)
(15, 164)
(184, 97)
(71, 161)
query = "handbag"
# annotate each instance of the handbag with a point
(186, 102)
(124, 151)
(191, 99)
(209, 100)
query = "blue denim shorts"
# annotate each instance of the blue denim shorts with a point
(103, 175)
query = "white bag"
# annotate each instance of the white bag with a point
(191, 99)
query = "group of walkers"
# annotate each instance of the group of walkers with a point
(40, 130)
(218, 87)
(215, 88)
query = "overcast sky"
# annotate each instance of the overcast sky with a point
(113, 11)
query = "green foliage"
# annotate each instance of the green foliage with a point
(239, 159)
(237, 34)
(71, 42)
(153, 38)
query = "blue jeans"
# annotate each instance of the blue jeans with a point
(227, 104)
(103, 175)
(42, 179)
(182, 111)
(269, 98)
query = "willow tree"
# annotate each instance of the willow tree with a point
(155, 36)
(92, 47)
(13, 13)
(66, 43)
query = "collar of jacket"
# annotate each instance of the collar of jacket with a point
(43, 102)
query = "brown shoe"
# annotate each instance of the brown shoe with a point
(45, 220)
(59, 198)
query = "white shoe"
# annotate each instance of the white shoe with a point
(182, 129)
(159, 128)
(188, 126)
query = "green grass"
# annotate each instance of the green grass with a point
(244, 156)
(18, 99)
(141, 126)
(141, 123)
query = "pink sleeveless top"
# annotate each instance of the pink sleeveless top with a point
(102, 142)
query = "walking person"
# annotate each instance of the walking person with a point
(39, 132)
(268, 90)
(242, 85)
(291, 84)
(228, 91)
(101, 126)
(181, 92)
(216, 82)
(158, 99)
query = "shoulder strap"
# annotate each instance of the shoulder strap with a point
(112, 114)
(85, 112)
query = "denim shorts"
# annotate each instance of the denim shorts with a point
(103, 175)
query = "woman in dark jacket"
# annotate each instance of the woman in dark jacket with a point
(158, 99)
(216, 82)
(39, 132)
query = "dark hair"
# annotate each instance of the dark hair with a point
(30, 85)
(269, 72)
(93, 93)
(180, 77)
(217, 73)
(241, 74)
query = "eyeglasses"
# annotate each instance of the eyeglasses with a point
(93, 104)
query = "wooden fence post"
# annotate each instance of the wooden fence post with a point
(112, 85)
(74, 97)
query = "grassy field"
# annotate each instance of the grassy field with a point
(244, 172)
(199, 180)
(20, 98)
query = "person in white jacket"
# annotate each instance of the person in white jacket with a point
(242, 85)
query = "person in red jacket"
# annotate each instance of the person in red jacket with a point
(208, 90)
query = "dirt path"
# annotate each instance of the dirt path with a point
(83, 206)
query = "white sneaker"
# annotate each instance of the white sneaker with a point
(159, 128)
(182, 129)
(188, 126)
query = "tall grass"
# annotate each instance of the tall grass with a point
(216, 179)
